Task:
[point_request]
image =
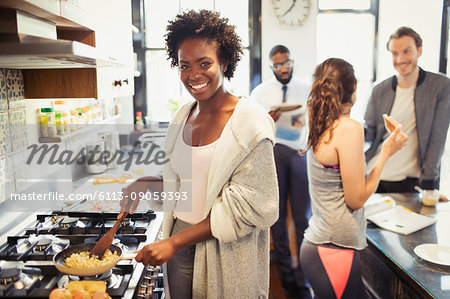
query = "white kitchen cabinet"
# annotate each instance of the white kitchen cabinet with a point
(114, 82)
(113, 33)
(79, 11)
(114, 40)
(112, 37)
(67, 13)
(46, 9)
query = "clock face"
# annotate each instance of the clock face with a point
(292, 12)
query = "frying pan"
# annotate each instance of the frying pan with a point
(60, 258)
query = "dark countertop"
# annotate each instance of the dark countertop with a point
(433, 278)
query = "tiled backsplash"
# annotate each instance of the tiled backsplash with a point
(13, 134)
(15, 88)
(3, 92)
(5, 135)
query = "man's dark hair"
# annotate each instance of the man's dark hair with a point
(210, 26)
(405, 31)
(278, 49)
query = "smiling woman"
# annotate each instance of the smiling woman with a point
(161, 84)
(217, 242)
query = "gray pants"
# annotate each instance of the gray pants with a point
(181, 267)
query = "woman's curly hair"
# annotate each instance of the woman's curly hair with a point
(209, 25)
(333, 86)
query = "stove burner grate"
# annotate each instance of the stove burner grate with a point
(42, 244)
(112, 280)
(126, 222)
(67, 222)
(9, 275)
(103, 276)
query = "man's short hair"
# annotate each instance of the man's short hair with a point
(278, 49)
(405, 31)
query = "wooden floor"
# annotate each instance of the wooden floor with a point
(275, 290)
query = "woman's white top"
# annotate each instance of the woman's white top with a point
(192, 164)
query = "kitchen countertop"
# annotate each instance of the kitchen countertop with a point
(433, 278)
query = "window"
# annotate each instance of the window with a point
(344, 4)
(339, 25)
(164, 89)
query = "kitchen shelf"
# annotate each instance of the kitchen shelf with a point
(79, 132)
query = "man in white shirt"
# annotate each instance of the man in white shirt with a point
(420, 101)
(291, 138)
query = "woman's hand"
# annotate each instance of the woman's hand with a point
(395, 142)
(157, 253)
(160, 252)
(133, 193)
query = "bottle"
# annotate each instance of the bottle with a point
(66, 122)
(59, 123)
(61, 107)
(47, 118)
(98, 111)
(73, 120)
(82, 118)
(86, 112)
(139, 122)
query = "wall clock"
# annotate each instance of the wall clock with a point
(291, 12)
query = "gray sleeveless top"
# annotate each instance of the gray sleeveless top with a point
(332, 221)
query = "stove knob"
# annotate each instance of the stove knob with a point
(150, 292)
(154, 268)
(147, 280)
(142, 289)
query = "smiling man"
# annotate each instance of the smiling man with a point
(420, 102)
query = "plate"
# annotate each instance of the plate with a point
(287, 107)
(435, 253)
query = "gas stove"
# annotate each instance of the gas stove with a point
(26, 259)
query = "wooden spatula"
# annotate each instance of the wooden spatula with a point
(106, 241)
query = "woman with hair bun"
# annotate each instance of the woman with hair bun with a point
(220, 147)
(337, 184)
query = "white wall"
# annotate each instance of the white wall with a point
(301, 41)
(424, 17)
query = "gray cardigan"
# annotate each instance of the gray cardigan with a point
(432, 110)
(242, 199)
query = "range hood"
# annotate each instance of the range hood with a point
(28, 42)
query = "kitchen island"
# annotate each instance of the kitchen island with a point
(390, 267)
